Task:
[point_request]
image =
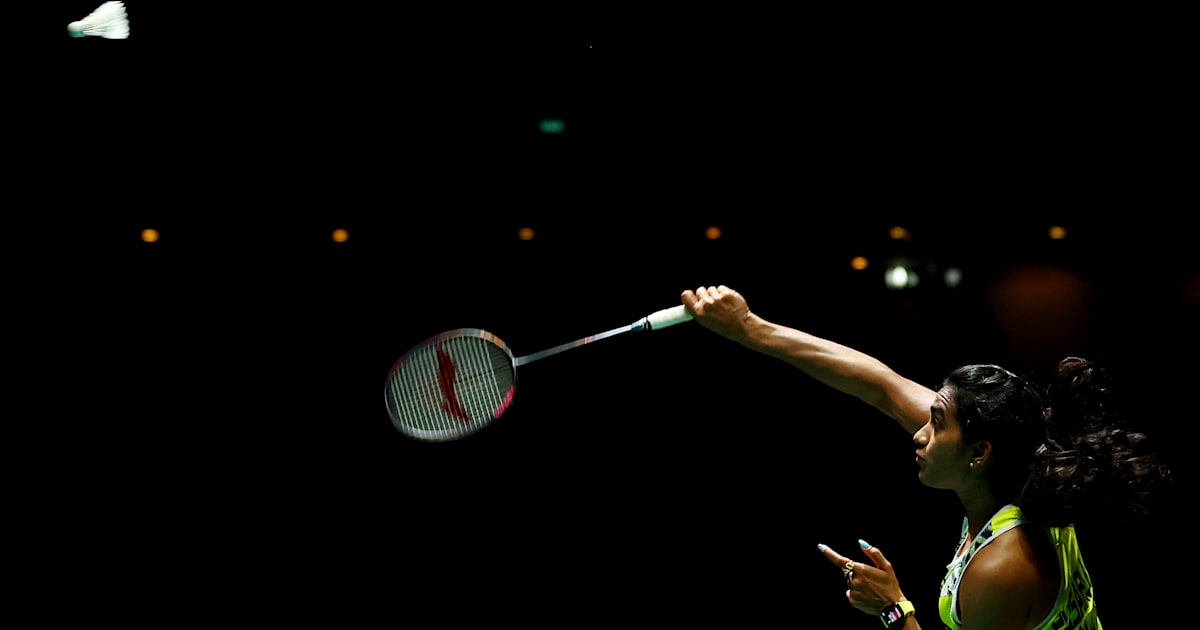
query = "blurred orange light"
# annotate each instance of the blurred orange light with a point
(526, 234)
(1058, 232)
(149, 235)
(859, 263)
(340, 235)
(712, 233)
(899, 233)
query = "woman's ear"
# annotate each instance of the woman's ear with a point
(981, 451)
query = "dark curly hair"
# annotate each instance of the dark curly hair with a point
(1063, 454)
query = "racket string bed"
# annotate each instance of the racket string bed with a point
(452, 386)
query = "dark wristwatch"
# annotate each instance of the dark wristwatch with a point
(893, 616)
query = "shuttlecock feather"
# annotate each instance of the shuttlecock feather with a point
(109, 21)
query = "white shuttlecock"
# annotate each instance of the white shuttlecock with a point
(109, 21)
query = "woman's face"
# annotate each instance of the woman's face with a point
(942, 458)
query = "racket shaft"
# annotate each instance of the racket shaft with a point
(655, 321)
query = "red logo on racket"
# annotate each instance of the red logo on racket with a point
(447, 375)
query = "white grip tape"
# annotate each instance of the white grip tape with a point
(668, 317)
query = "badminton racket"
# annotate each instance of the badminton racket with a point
(458, 382)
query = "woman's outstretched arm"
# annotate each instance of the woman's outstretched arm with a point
(725, 312)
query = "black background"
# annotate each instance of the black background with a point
(209, 413)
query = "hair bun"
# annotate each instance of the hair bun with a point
(1079, 399)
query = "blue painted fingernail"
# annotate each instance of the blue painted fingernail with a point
(864, 544)
(820, 547)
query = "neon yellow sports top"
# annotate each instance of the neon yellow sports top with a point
(1073, 610)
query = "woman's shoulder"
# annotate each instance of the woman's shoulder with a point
(1017, 565)
(1015, 556)
(1018, 561)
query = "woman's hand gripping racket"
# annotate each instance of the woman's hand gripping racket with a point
(456, 383)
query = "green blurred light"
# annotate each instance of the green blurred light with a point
(552, 125)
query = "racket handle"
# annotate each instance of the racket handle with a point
(664, 318)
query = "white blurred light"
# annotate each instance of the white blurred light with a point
(953, 277)
(900, 277)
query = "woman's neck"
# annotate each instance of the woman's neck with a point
(979, 508)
